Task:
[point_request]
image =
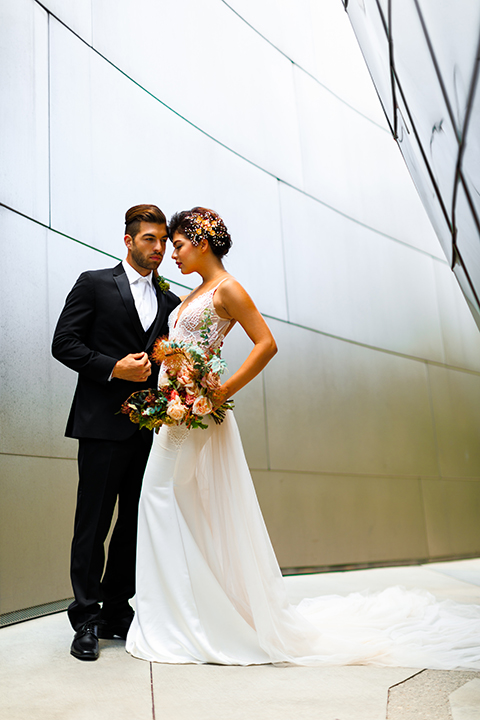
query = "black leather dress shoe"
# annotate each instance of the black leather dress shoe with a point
(115, 627)
(85, 642)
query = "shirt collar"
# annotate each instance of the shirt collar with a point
(133, 275)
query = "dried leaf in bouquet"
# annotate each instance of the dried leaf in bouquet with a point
(159, 351)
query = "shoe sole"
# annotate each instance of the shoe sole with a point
(87, 658)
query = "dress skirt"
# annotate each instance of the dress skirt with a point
(209, 588)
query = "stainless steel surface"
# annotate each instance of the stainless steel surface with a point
(424, 61)
(36, 522)
(338, 407)
(363, 431)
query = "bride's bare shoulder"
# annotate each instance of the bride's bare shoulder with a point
(230, 285)
(231, 298)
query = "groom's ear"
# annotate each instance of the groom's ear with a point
(128, 241)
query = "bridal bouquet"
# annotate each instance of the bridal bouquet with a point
(189, 377)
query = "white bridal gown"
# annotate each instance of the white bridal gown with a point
(209, 589)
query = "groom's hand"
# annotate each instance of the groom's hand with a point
(135, 367)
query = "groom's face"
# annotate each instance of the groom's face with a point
(147, 248)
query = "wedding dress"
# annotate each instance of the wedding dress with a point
(209, 589)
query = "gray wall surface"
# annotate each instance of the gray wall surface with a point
(362, 433)
(424, 61)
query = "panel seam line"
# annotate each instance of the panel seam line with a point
(235, 152)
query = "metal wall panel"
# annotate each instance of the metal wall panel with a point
(324, 520)
(430, 52)
(36, 522)
(452, 509)
(207, 69)
(369, 412)
(371, 405)
(456, 408)
(346, 280)
(24, 108)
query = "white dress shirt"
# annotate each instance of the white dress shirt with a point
(144, 295)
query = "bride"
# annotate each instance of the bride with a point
(209, 589)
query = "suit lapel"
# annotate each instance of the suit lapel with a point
(124, 289)
(154, 330)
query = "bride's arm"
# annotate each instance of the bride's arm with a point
(233, 302)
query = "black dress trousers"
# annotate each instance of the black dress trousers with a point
(107, 468)
(98, 326)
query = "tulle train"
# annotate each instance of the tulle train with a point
(209, 588)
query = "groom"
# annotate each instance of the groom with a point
(105, 333)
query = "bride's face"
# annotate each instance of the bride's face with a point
(185, 254)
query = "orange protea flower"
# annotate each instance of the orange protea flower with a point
(159, 351)
(173, 362)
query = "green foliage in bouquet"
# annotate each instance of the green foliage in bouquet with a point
(145, 407)
(187, 385)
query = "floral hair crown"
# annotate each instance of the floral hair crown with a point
(205, 226)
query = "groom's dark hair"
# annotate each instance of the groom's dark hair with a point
(146, 213)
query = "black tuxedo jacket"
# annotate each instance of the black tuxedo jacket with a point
(98, 326)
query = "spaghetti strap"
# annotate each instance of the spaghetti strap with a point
(184, 304)
(187, 317)
(213, 290)
(232, 321)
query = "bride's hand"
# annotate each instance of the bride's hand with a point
(219, 396)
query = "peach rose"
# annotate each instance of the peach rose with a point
(163, 379)
(185, 378)
(211, 381)
(176, 409)
(202, 406)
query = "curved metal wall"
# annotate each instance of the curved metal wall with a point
(362, 434)
(424, 59)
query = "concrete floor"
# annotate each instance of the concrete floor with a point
(40, 680)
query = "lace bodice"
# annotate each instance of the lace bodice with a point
(188, 320)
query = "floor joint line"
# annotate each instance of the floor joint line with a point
(151, 691)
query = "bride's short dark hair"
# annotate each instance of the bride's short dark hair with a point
(200, 223)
